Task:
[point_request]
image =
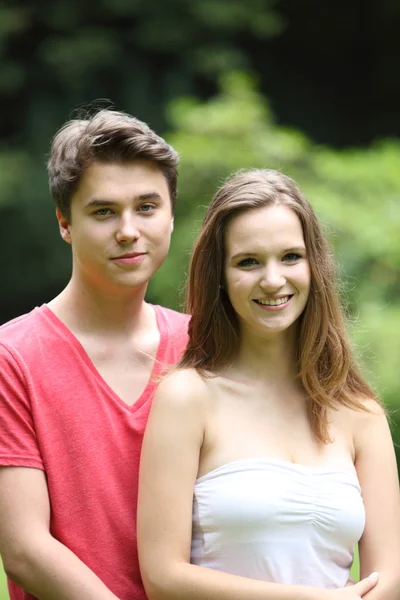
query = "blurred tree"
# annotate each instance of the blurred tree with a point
(326, 66)
(330, 72)
(57, 54)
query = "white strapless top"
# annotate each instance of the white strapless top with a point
(272, 520)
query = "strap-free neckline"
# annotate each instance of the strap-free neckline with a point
(259, 461)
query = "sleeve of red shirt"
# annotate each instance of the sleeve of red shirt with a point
(18, 440)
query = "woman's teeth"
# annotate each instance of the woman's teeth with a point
(274, 302)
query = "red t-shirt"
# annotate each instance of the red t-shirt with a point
(58, 414)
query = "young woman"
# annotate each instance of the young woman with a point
(267, 456)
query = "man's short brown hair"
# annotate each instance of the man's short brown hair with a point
(106, 136)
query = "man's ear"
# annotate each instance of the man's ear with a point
(64, 226)
(172, 224)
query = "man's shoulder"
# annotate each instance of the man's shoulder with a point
(173, 328)
(18, 326)
(174, 322)
(21, 332)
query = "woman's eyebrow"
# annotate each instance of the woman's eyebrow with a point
(284, 251)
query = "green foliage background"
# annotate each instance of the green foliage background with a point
(195, 71)
(3, 587)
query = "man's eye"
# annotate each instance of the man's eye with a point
(147, 207)
(247, 262)
(103, 212)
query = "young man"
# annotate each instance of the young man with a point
(77, 375)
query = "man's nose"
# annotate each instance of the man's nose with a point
(127, 229)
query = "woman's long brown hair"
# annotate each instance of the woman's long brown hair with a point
(327, 369)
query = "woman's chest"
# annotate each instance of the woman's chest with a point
(256, 427)
(265, 498)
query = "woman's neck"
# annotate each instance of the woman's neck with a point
(268, 359)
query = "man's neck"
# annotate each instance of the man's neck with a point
(116, 313)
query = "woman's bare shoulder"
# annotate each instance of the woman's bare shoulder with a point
(182, 380)
(357, 421)
(182, 389)
(369, 410)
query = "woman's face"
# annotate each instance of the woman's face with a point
(267, 273)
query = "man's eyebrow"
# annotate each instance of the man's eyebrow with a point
(149, 196)
(96, 202)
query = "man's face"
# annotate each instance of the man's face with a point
(120, 225)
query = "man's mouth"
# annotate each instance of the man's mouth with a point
(128, 255)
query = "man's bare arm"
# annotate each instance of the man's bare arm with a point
(32, 557)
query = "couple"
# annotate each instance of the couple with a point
(266, 457)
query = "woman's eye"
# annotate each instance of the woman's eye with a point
(247, 262)
(292, 257)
